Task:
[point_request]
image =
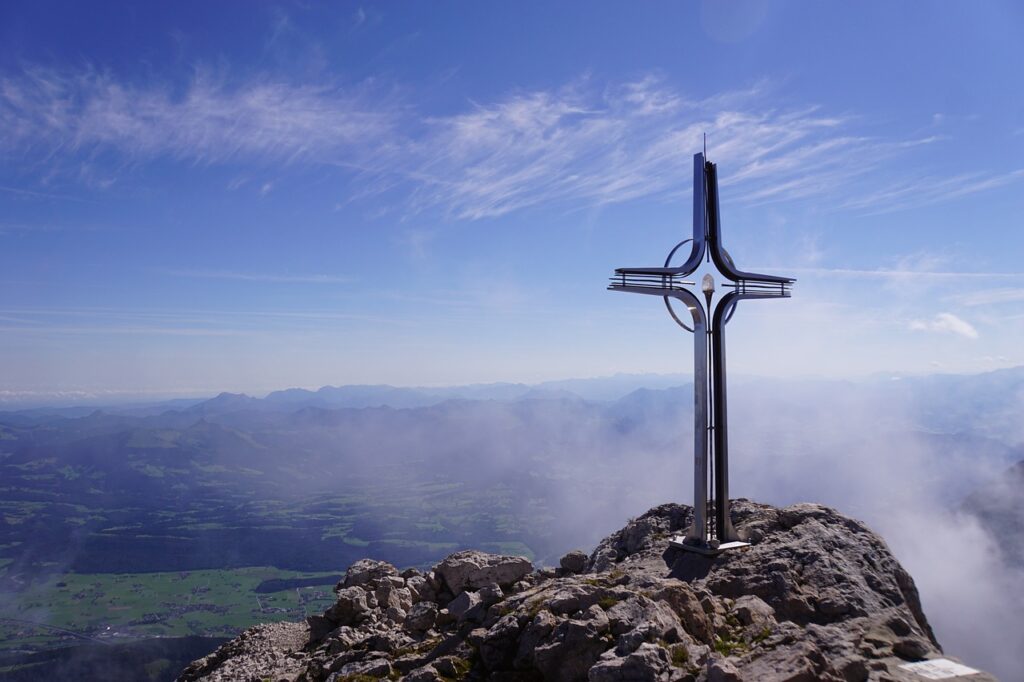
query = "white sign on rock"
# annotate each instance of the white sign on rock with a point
(938, 669)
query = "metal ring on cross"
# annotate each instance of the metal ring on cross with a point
(668, 302)
(728, 315)
(732, 307)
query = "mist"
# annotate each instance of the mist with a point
(870, 459)
(869, 450)
(900, 457)
(551, 471)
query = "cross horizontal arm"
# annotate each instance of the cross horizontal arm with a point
(651, 290)
(652, 271)
(650, 283)
(762, 288)
(737, 275)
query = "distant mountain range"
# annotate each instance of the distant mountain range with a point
(987, 403)
(190, 474)
(601, 389)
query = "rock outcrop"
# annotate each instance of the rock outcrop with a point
(817, 596)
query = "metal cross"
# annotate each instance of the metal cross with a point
(712, 530)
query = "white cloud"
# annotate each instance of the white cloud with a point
(946, 323)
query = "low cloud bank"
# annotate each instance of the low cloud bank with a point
(900, 456)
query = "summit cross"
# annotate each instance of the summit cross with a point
(712, 530)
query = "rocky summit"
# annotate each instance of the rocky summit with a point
(817, 596)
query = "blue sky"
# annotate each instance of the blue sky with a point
(242, 196)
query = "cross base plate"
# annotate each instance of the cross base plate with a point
(679, 542)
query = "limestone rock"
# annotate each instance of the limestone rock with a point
(365, 571)
(427, 673)
(375, 667)
(570, 651)
(261, 651)
(649, 663)
(490, 594)
(499, 644)
(817, 596)
(462, 604)
(471, 570)
(573, 562)
(351, 607)
(751, 610)
(419, 588)
(421, 617)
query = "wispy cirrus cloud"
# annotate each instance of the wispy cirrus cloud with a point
(923, 191)
(20, 191)
(991, 296)
(581, 144)
(208, 121)
(28, 228)
(44, 322)
(577, 145)
(261, 277)
(111, 330)
(873, 273)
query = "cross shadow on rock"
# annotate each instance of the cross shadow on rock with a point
(687, 566)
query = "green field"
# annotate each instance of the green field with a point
(118, 528)
(119, 607)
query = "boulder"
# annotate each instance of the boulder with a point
(375, 667)
(574, 562)
(751, 610)
(366, 571)
(536, 631)
(462, 604)
(389, 596)
(419, 588)
(568, 598)
(427, 673)
(570, 651)
(451, 667)
(351, 607)
(491, 594)
(802, 662)
(724, 670)
(649, 663)
(682, 599)
(472, 570)
(421, 617)
(499, 645)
